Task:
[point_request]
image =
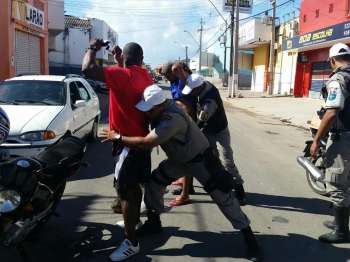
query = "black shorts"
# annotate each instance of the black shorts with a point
(135, 170)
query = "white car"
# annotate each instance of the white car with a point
(43, 108)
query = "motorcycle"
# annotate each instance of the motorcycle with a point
(315, 168)
(31, 188)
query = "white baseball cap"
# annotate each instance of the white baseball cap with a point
(193, 81)
(152, 96)
(339, 49)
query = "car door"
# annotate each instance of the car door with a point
(89, 116)
(79, 116)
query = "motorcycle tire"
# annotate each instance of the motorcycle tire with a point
(316, 186)
(57, 199)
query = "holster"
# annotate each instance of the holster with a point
(219, 178)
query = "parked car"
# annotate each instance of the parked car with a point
(43, 108)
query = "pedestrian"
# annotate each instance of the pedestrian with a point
(213, 122)
(126, 85)
(188, 105)
(187, 151)
(336, 121)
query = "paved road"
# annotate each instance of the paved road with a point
(286, 215)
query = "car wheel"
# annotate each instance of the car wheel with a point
(92, 137)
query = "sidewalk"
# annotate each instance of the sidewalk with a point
(290, 110)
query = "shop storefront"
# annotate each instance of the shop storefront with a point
(313, 68)
(23, 26)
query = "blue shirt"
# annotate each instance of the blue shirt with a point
(176, 88)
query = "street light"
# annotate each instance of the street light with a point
(186, 50)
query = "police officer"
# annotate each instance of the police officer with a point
(213, 122)
(188, 153)
(337, 159)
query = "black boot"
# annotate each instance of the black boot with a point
(152, 225)
(253, 250)
(341, 232)
(240, 194)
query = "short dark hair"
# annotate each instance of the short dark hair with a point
(132, 54)
(166, 69)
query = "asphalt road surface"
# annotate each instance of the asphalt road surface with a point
(286, 215)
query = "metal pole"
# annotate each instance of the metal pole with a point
(225, 74)
(186, 47)
(234, 82)
(200, 46)
(272, 48)
(231, 50)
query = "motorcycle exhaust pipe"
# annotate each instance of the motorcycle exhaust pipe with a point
(310, 167)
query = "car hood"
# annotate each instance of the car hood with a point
(30, 118)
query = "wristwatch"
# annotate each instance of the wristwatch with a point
(118, 137)
(93, 47)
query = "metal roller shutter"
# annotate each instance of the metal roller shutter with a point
(27, 55)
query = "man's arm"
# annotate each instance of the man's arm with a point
(89, 67)
(208, 110)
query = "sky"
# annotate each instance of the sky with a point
(159, 26)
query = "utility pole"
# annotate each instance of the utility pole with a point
(225, 47)
(200, 46)
(231, 50)
(187, 63)
(272, 49)
(234, 82)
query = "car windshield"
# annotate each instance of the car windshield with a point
(32, 92)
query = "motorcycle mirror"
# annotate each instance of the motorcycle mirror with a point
(9, 201)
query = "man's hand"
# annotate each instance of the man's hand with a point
(108, 135)
(314, 149)
(117, 53)
(97, 43)
(179, 72)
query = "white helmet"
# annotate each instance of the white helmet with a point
(339, 50)
(4, 126)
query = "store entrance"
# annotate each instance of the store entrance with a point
(319, 76)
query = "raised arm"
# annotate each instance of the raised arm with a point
(89, 67)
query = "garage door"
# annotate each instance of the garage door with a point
(27, 57)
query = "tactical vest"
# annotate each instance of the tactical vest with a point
(218, 121)
(344, 80)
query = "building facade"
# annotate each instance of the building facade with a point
(71, 44)
(24, 37)
(321, 26)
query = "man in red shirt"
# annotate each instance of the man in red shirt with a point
(126, 86)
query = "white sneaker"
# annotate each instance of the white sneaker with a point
(122, 224)
(124, 251)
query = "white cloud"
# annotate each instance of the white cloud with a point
(157, 24)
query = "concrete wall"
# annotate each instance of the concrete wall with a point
(285, 72)
(260, 68)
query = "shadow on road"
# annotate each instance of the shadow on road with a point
(286, 203)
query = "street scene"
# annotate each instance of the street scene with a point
(208, 130)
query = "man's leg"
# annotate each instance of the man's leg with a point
(338, 179)
(225, 153)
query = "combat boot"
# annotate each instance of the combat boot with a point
(253, 250)
(341, 231)
(152, 225)
(240, 194)
(329, 224)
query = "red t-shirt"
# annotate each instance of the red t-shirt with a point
(126, 86)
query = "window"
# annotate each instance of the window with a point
(304, 18)
(84, 94)
(317, 13)
(331, 8)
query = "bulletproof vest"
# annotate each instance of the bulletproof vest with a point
(218, 121)
(344, 80)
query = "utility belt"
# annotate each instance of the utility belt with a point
(336, 134)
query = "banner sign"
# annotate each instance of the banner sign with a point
(331, 33)
(27, 13)
(245, 6)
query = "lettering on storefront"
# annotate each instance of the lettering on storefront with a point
(335, 32)
(28, 14)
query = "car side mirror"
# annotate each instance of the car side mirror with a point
(80, 103)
